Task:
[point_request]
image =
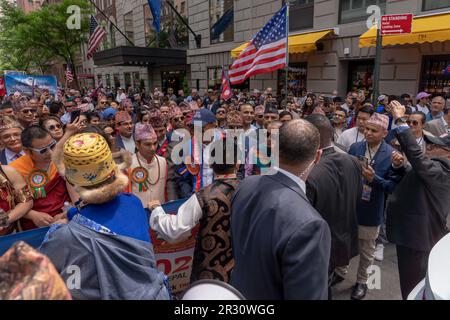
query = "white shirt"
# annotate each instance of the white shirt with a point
(423, 109)
(154, 192)
(120, 97)
(174, 228)
(11, 156)
(208, 172)
(345, 107)
(129, 144)
(293, 177)
(349, 137)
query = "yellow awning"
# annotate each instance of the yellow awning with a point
(424, 29)
(299, 43)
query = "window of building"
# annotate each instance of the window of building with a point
(127, 76)
(99, 78)
(129, 28)
(360, 76)
(435, 4)
(214, 78)
(108, 80)
(296, 78)
(116, 80)
(112, 35)
(221, 20)
(356, 10)
(434, 80)
(303, 11)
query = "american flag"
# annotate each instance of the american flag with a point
(69, 75)
(96, 36)
(266, 52)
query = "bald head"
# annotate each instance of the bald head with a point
(299, 142)
(325, 128)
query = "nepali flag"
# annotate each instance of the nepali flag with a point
(226, 88)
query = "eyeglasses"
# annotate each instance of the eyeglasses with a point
(412, 122)
(53, 127)
(84, 122)
(43, 150)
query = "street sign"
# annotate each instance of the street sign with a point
(396, 24)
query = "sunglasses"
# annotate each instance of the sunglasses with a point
(178, 119)
(28, 111)
(44, 150)
(53, 127)
(412, 122)
(103, 102)
(221, 112)
(260, 116)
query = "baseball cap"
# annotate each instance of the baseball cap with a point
(381, 98)
(422, 95)
(108, 113)
(205, 116)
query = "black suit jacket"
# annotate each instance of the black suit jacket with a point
(334, 189)
(281, 245)
(417, 210)
(3, 159)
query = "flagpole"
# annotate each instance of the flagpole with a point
(287, 49)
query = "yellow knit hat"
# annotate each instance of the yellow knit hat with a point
(88, 160)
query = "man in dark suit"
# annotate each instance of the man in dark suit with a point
(375, 154)
(342, 174)
(281, 244)
(417, 211)
(10, 139)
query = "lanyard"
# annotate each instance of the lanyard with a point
(371, 162)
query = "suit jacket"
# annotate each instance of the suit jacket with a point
(371, 213)
(281, 244)
(334, 189)
(436, 127)
(417, 211)
(119, 142)
(3, 159)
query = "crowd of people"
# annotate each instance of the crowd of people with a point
(349, 176)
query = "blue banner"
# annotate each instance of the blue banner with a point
(30, 85)
(33, 237)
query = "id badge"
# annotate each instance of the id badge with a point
(366, 191)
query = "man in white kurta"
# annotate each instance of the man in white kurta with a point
(148, 174)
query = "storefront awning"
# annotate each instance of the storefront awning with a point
(298, 43)
(424, 29)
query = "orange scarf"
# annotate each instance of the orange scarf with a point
(24, 165)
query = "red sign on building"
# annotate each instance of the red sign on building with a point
(396, 24)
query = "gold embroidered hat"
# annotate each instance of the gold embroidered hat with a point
(88, 160)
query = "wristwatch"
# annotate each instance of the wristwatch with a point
(401, 120)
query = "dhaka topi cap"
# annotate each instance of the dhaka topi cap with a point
(380, 120)
(144, 131)
(122, 116)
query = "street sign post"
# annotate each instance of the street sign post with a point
(393, 24)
